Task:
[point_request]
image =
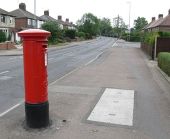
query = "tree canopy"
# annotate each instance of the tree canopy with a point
(52, 27)
(89, 24)
(105, 27)
(140, 23)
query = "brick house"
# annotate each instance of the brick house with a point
(7, 23)
(46, 17)
(65, 24)
(161, 24)
(68, 25)
(25, 20)
(62, 24)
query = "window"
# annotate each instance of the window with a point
(29, 21)
(2, 18)
(34, 22)
(10, 20)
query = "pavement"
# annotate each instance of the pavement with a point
(73, 97)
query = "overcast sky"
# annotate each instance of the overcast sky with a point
(74, 9)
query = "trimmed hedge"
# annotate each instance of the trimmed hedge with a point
(164, 62)
(2, 36)
(71, 33)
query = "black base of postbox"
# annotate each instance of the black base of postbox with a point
(37, 115)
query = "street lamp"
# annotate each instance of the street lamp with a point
(129, 2)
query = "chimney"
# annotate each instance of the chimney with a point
(46, 12)
(67, 20)
(160, 16)
(22, 6)
(60, 17)
(169, 12)
(153, 19)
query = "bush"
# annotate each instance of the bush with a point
(54, 28)
(70, 33)
(164, 62)
(81, 34)
(164, 34)
(2, 36)
(149, 38)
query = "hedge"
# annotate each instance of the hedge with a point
(164, 62)
(2, 36)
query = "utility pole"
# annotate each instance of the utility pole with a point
(129, 2)
(36, 22)
(118, 22)
(35, 7)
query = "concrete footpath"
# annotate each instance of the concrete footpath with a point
(73, 97)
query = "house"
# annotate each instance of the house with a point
(7, 23)
(46, 17)
(62, 24)
(25, 20)
(161, 24)
(68, 25)
(65, 24)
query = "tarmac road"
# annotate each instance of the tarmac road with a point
(60, 62)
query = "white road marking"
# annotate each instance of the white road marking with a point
(10, 109)
(115, 43)
(18, 104)
(115, 107)
(91, 61)
(64, 76)
(4, 78)
(50, 59)
(4, 72)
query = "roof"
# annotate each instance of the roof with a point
(19, 13)
(47, 18)
(3, 12)
(151, 24)
(160, 22)
(165, 21)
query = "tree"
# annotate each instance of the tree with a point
(88, 24)
(105, 27)
(140, 23)
(54, 28)
(136, 32)
(119, 27)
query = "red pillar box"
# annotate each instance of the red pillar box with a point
(35, 74)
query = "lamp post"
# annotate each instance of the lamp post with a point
(129, 2)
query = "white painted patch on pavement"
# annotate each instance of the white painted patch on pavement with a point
(115, 107)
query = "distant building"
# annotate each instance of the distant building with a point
(68, 25)
(161, 24)
(7, 23)
(46, 17)
(25, 20)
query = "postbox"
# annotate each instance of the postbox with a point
(35, 75)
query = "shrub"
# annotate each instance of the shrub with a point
(164, 62)
(54, 28)
(70, 33)
(2, 36)
(81, 34)
(164, 34)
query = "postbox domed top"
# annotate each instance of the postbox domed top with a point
(34, 32)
